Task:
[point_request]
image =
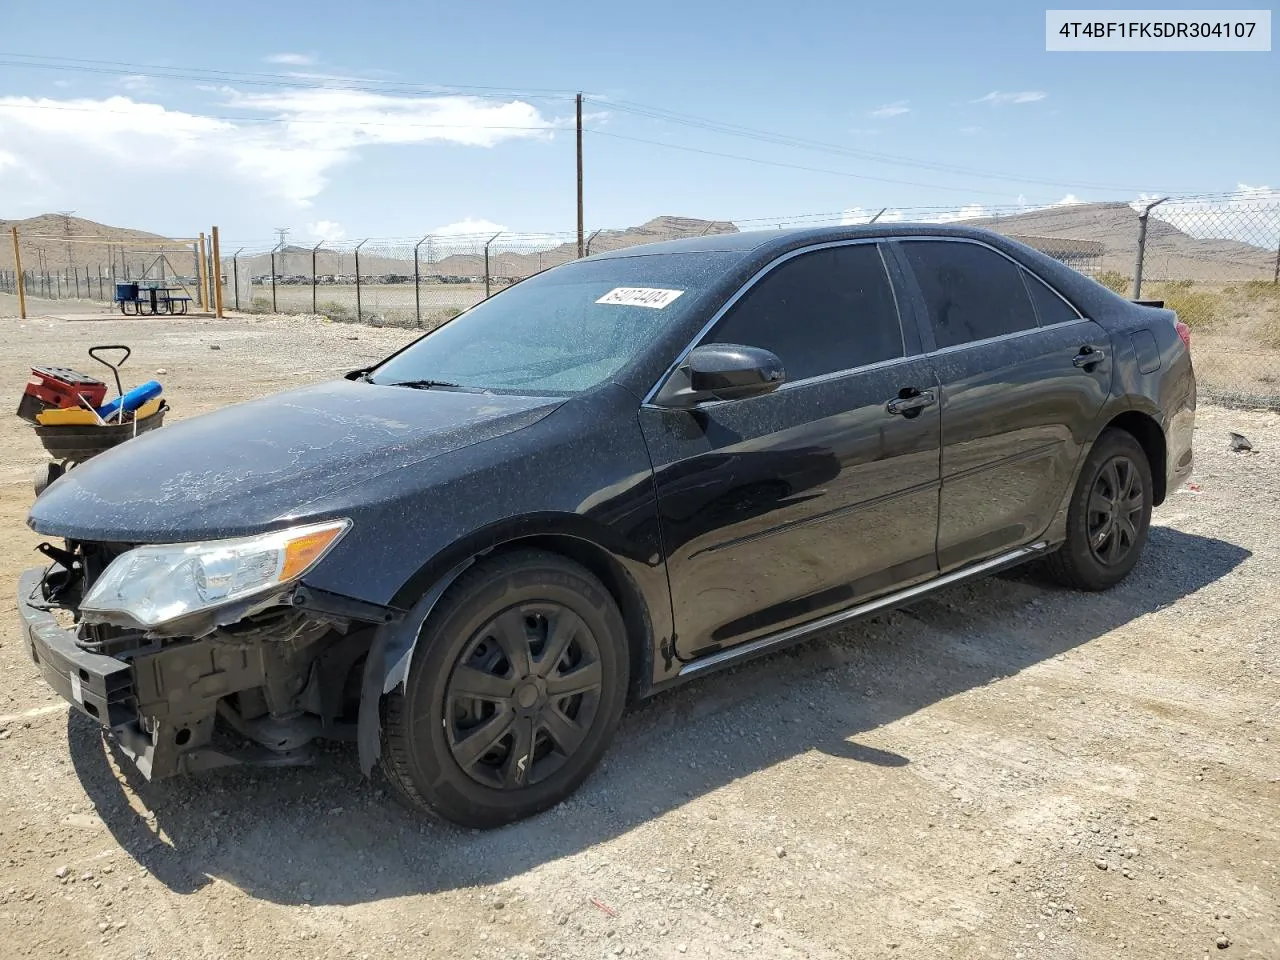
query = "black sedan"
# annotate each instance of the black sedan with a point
(609, 478)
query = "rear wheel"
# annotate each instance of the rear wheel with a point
(1109, 516)
(516, 688)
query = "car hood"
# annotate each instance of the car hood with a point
(256, 465)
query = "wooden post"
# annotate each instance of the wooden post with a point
(217, 276)
(17, 268)
(202, 277)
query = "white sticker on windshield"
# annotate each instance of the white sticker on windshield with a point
(640, 297)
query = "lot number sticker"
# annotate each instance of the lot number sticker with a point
(653, 297)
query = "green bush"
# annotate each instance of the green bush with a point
(261, 305)
(1269, 332)
(1262, 290)
(1115, 282)
(336, 311)
(1195, 308)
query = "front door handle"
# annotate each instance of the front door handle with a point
(912, 403)
(1088, 356)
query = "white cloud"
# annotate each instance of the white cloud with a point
(136, 83)
(1069, 200)
(897, 108)
(310, 132)
(970, 131)
(327, 231)
(469, 227)
(62, 83)
(291, 59)
(998, 98)
(970, 211)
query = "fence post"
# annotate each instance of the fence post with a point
(235, 274)
(486, 262)
(1275, 278)
(313, 275)
(1142, 245)
(359, 305)
(217, 275)
(17, 266)
(202, 276)
(417, 295)
(273, 281)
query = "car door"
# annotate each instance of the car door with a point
(779, 508)
(1023, 377)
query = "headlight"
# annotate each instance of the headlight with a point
(162, 582)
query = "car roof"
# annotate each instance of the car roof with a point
(777, 241)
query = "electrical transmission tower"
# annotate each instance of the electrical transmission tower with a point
(282, 235)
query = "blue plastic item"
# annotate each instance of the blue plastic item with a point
(126, 291)
(131, 400)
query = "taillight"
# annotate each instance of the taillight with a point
(1184, 332)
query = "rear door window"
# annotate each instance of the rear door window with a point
(971, 292)
(820, 312)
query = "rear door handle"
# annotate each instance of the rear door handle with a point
(911, 405)
(1088, 356)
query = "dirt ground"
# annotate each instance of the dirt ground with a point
(1003, 770)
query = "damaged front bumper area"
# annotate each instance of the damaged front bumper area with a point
(254, 691)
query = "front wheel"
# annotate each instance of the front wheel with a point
(516, 687)
(1109, 516)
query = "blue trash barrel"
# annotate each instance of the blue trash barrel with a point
(126, 291)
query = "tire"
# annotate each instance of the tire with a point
(487, 730)
(1101, 549)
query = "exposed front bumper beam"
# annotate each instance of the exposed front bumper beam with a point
(99, 687)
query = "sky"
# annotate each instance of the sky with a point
(346, 120)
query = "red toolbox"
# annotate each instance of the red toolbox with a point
(56, 388)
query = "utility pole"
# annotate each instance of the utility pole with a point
(282, 234)
(581, 239)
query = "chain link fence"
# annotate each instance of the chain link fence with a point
(1216, 261)
(419, 283)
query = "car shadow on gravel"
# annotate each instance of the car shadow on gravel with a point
(325, 835)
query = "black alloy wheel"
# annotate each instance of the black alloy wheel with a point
(523, 695)
(1108, 515)
(514, 691)
(1116, 505)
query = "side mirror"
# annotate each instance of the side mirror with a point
(722, 371)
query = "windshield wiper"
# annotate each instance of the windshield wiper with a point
(421, 384)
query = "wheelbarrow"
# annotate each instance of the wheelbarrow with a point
(75, 434)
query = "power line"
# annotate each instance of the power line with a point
(791, 166)
(290, 120)
(779, 139)
(309, 80)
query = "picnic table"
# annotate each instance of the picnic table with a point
(137, 300)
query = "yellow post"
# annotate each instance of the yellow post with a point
(202, 278)
(217, 276)
(17, 269)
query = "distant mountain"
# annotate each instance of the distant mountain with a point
(1170, 252)
(59, 242)
(53, 242)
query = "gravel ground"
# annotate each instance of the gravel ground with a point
(1003, 770)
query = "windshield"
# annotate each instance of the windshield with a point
(563, 331)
